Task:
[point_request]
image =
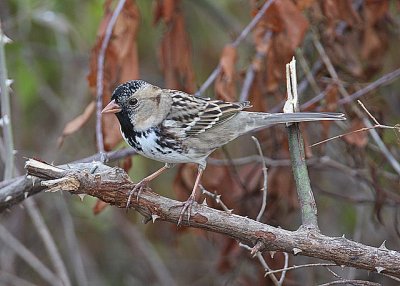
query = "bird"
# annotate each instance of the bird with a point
(174, 127)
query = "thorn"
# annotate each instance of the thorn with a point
(81, 196)
(258, 247)
(272, 253)
(230, 211)
(342, 266)
(9, 82)
(154, 217)
(204, 203)
(343, 236)
(5, 39)
(218, 199)
(5, 120)
(379, 269)
(8, 198)
(26, 194)
(296, 251)
(383, 246)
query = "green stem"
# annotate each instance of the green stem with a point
(5, 112)
(300, 172)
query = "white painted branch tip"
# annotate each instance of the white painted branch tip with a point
(291, 104)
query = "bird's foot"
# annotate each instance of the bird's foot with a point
(138, 189)
(186, 207)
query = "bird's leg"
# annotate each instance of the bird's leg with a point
(140, 185)
(187, 206)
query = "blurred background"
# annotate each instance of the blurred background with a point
(341, 47)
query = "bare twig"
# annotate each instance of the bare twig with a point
(28, 257)
(235, 44)
(216, 198)
(300, 266)
(6, 112)
(297, 156)
(284, 266)
(74, 251)
(100, 77)
(385, 79)
(250, 73)
(263, 263)
(354, 282)
(307, 71)
(265, 185)
(48, 241)
(352, 132)
(385, 151)
(146, 250)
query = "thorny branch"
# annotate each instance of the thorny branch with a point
(6, 111)
(112, 185)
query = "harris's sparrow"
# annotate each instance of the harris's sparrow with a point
(174, 127)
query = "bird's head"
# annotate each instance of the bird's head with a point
(142, 104)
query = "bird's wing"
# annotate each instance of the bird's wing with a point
(191, 116)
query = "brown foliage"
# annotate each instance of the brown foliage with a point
(225, 84)
(175, 49)
(289, 26)
(121, 61)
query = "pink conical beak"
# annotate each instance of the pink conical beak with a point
(112, 107)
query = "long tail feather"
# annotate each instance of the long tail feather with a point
(258, 120)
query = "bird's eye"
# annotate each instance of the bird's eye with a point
(133, 101)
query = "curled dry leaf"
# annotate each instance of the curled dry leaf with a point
(225, 84)
(121, 61)
(289, 26)
(76, 123)
(175, 49)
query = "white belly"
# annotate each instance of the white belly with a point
(151, 149)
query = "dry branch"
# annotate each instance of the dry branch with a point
(111, 185)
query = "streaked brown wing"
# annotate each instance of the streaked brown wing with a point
(192, 115)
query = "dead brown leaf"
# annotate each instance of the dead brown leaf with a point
(289, 26)
(175, 49)
(359, 139)
(225, 84)
(121, 62)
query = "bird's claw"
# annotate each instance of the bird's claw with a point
(138, 188)
(186, 207)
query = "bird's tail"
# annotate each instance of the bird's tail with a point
(256, 120)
